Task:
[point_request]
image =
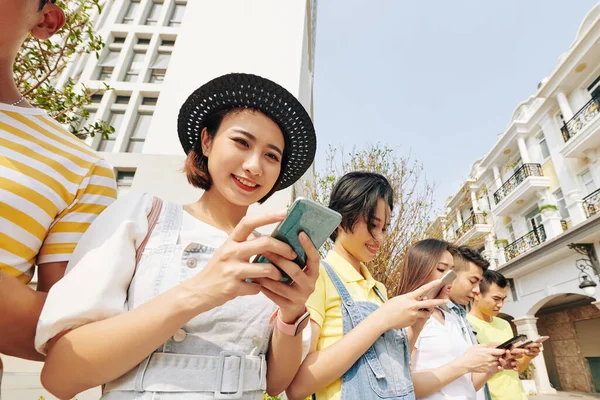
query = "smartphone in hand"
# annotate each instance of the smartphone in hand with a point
(514, 340)
(312, 218)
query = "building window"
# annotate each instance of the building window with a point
(154, 13)
(92, 109)
(511, 233)
(177, 14)
(115, 120)
(130, 14)
(159, 67)
(543, 146)
(135, 66)
(142, 125)
(107, 65)
(562, 204)
(124, 182)
(588, 182)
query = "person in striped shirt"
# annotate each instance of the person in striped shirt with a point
(52, 186)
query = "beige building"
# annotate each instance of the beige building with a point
(531, 205)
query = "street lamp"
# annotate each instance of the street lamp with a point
(588, 286)
(585, 266)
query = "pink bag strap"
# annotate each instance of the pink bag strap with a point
(152, 219)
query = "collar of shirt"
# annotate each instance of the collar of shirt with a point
(349, 274)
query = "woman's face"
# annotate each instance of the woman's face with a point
(362, 244)
(244, 157)
(445, 264)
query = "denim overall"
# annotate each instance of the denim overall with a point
(383, 372)
(219, 354)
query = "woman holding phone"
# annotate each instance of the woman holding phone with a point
(193, 318)
(444, 364)
(359, 349)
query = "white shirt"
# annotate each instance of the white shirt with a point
(437, 345)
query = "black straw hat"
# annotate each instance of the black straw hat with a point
(246, 90)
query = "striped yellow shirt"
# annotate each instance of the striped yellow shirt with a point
(52, 186)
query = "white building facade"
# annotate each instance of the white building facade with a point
(157, 53)
(532, 207)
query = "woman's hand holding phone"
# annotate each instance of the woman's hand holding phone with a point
(291, 299)
(403, 311)
(225, 276)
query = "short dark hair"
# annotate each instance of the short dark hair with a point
(196, 163)
(470, 255)
(490, 276)
(43, 3)
(355, 197)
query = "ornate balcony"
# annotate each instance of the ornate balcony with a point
(591, 203)
(525, 243)
(473, 229)
(581, 119)
(516, 179)
(582, 132)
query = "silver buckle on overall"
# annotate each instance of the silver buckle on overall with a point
(219, 384)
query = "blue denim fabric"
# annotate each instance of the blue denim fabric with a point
(383, 372)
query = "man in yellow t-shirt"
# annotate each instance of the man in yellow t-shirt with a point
(505, 385)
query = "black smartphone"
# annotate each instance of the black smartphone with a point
(506, 345)
(312, 218)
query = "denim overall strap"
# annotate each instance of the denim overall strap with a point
(356, 317)
(169, 233)
(469, 333)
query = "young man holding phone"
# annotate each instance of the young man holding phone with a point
(505, 385)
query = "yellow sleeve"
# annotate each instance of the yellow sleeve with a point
(96, 192)
(318, 299)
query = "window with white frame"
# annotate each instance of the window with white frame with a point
(115, 119)
(92, 110)
(511, 233)
(107, 64)
(562, 204)
(587, 181)
(135, 66)
(159, 67)
(154, 13)
(131, 13)
(143, 120)
(594, 88)
(543, 146)
(124, 181)
(177, 13)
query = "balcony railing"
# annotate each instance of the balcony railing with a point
(525, 243)
(581, 119)
(591, 203)
(469, 223)
(518, 177)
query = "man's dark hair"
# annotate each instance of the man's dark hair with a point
(490, 276)
(355, 197)
(43, 3)
(467, 254)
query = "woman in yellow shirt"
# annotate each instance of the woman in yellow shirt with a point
(359, 349)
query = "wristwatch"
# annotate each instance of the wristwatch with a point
(293, 328)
